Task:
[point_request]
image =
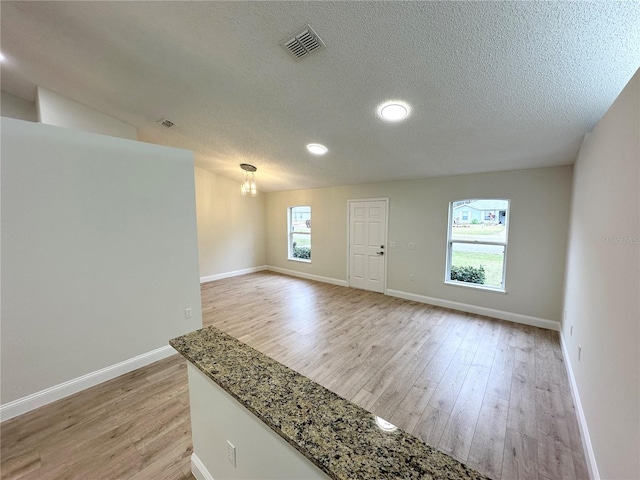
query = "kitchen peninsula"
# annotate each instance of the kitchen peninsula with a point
(253, 417)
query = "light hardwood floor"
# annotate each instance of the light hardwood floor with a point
(135, 427)
(493, 394)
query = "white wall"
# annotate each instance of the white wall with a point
(603, 286)
(55, 109)
(418, 213)
(231, 228)
(260, 452)
(99, 253)
(15, 107)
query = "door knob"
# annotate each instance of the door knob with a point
(380, 253)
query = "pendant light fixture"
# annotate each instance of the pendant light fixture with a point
(248, 184)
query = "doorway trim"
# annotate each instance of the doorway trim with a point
(386, 237)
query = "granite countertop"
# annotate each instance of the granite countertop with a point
(341, 438)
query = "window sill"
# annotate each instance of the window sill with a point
(301, 260)
(475, 287)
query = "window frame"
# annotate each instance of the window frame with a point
(450, 242)
(290, 234)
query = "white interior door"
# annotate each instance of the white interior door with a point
(367, 242)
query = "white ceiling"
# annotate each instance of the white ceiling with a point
(493, 85)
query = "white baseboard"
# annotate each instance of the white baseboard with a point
(235, 273)
(57, 392)
(582, 420)
(308, 276)
(198, 469)
(489, 312)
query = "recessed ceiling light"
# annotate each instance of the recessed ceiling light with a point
(393, 111)
(317, 149)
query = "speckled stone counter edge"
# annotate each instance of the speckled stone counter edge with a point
(339, 437)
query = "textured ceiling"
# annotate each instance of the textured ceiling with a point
(493, 85)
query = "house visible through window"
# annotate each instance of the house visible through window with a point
(299, 224)
(477, 243)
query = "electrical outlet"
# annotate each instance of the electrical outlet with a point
(231, 453)
(579, 352)
(411, 277)
(412, 246)
(393, 244)
(187, 313)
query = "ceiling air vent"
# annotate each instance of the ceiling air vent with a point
(166, 123)
(303, 43)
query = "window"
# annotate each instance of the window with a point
(477, 251)
(300, 233)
